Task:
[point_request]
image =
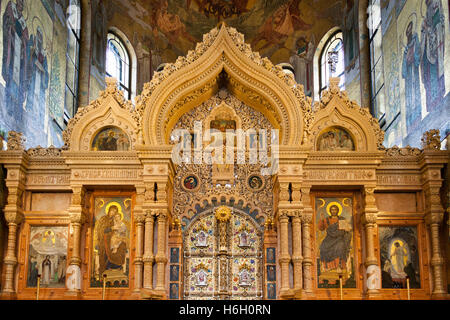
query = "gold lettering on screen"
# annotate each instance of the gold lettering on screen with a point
(106, 174)
(340, 175)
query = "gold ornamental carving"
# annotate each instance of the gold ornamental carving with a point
(431, 140)
(16, 141)
(223, 213)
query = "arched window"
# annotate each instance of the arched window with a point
(118, 63)
(331, 61)
(72, 58)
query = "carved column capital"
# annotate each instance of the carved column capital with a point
(14, 217)
(139, 218)
(78, 193)
(284, 216)
(369, 218)
(77, 217)
(434, 218)
(161, 215)
(307, 218)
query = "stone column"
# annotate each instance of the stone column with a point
(77, 219)
(434, 217)
(139, 219)
(297, 257)
(433, 160)
(369, 219)
(13, 220)
(306, 218)
(138, 260)
(148, 251)
(161, 258)
(284, 258)
(13, 212)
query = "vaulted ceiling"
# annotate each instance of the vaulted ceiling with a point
(276, 28)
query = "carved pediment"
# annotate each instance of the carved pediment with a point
(110, 111)
(336, 110)
(193, 79)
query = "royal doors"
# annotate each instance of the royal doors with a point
(223, 256)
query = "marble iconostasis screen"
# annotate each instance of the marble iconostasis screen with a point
(111, 241)
(334, 242)
(47, 256)
(399, 254)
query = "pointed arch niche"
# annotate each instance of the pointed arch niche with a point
(336, 114)
(193, 79)
(110, 112)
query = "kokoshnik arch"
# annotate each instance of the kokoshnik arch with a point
(111, 205)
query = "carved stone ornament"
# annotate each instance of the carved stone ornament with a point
(336, 109)
(186, 202)
(395, 151)
(16, 141)
(223, 213)
(223, 46)
(431, 140)
(83, 126)
(52, 151)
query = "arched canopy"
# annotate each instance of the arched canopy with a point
(192, 79)
(335, 110)
(109, 111)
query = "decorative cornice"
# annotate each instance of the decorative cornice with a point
(407, 151)
(51, 152)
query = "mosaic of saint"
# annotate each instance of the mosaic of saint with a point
(255, 182)
(399, 257)
(33, 49)
(111, 139)
(47, 256)
(190, 182)
(223, 125)
(111, 241)
(334, 242)
(335, 139)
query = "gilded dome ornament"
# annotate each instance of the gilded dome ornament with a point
(223, 213)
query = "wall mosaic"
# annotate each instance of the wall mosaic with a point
(33, 65)
(111, 241)
(416, 77)
(334, 242)
(47, 256)
(399, 257)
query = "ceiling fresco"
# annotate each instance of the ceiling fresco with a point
(277, 29)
